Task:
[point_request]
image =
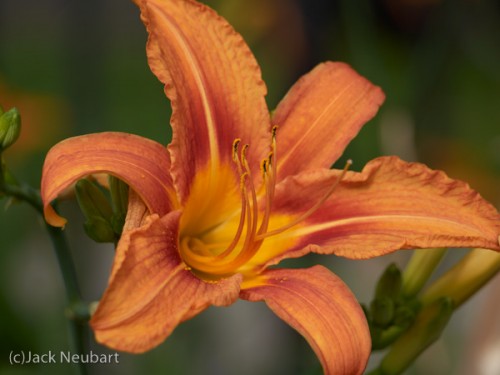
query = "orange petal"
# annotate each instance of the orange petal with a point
(140, 162)
(390, 205)
(320, 115)
(153, 291)
(321, 308)
(214, 83)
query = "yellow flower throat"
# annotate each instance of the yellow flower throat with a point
(215, 260)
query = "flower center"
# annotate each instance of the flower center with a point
(252, 229)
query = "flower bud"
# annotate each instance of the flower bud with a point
(97, 210)
(10, 127)
(389, 284)
(99, 229)
(119, 201)
(382, 310)
(426, 329)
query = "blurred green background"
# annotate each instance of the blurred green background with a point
(76, 67)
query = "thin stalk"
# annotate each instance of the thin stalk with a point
(419, 269)
(77, 311)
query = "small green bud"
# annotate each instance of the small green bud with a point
(97, 211)
(99, 229)
(10, 128)
(92, 200)
(404, 316)
(119, 195)
(119, 201)
(386, 337)
(389, 284)
(382, 311)
(426, 329)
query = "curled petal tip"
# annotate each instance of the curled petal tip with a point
(52, 217)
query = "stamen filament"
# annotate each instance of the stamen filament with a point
(269, 181)
(236, 160)
(309, 212)
(200, 256)
(239, 231)
(269, 186)
(252, 221)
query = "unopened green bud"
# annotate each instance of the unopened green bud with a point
(99, 229)
(97, 211)
(92, 200)
(385, 337)
(119, 201)
(10, 128)
(404, 316)
(382, 311)
(426, 329)
(389, 284)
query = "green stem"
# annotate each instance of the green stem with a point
(465, 278)
(419, 269)
(77, 310)
(24, 193)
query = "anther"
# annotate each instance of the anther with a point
(264, 167)
(244, 153)
(274, 130)
(236, 144)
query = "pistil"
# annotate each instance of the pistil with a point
(309, 212)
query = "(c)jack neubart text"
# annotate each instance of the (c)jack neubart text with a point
(28, 357)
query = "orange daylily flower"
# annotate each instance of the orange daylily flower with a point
(232, 196)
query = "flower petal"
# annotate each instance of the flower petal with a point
(140, 162)
(214, 83)
(153, 291)
(321, 308)
(390, 205)
(320, 115)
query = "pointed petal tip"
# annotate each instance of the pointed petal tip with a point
(333, 100)
(321, 307)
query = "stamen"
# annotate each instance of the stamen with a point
(239, 231)
(252, 224)
(273, 161)
(309, 212)
(192, 258)
(236, 144)
(273, 132)
(264, 168)
(269, 185)
(199, 255)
